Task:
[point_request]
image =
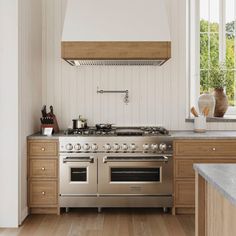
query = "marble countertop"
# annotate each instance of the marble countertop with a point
(207, 135)
(40, 136)
(221, 176)
(174, 135)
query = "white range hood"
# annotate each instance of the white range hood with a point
(124, 32)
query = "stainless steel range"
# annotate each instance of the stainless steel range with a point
(118, 167)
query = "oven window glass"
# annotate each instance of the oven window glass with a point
(135, 174)
(78, 174)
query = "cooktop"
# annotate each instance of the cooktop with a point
(120, 131)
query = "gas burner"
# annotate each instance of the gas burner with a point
(90, 131)
(82, 131)
(104, 132)
(157, 130)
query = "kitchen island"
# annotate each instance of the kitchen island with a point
(215, 199)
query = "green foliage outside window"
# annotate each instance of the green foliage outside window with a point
(209, 57)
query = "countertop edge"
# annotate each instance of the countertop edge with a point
(40, 136)
(197, 167)
(213, 120)
(176, 135)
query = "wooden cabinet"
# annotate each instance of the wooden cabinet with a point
(43, 168)
(42, 148)
(43, 176)
(205, 148)
(188, 152)
(43, 193)
(183, 168)
(184, 192)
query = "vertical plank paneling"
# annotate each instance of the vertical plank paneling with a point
(174, 66)
(129, 110)
(56, 58)
(134, 96)
(44, 50)
(158, 91)
(157, 94)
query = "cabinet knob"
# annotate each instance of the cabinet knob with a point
(213, 149)
(43, 149)
(43, 168)
(43, 193)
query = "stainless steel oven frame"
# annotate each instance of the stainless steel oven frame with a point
(107, 161)
(91, 193)
(87, 161)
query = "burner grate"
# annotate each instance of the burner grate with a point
(119, 131)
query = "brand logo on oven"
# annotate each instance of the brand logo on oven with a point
(135, 189)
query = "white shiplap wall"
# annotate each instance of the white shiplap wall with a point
(157, 94)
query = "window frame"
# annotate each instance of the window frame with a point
(194, 49)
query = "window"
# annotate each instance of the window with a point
(214, 43)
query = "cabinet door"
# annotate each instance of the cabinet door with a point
(184, 167)
(185, 193)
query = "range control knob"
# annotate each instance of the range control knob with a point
(124, 147)
(163, 147)
(77, 146)
(107, 146)
(69, 146)
(116, 146)
(154, 147)
(132, 146)
(86, 146)
(145, 146)
(94, 147)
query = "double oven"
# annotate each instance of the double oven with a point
(115, 178)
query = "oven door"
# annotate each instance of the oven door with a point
(78, 174)
(135, 174)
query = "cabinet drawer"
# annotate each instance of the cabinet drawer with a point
(205, 148)
(43, 168)
(184, 168)
(43, 148)
(184, 193)
(43, 193)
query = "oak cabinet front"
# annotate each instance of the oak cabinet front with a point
(43, 176)
(189, 152)
(184, 192)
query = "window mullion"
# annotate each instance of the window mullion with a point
(222, 32)
(234, 52)
(234, 34)
(195, 50)
(209, 38)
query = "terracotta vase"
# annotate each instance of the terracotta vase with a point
(221, 102)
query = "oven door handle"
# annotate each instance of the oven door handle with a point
(78, 159)
(159, 159)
